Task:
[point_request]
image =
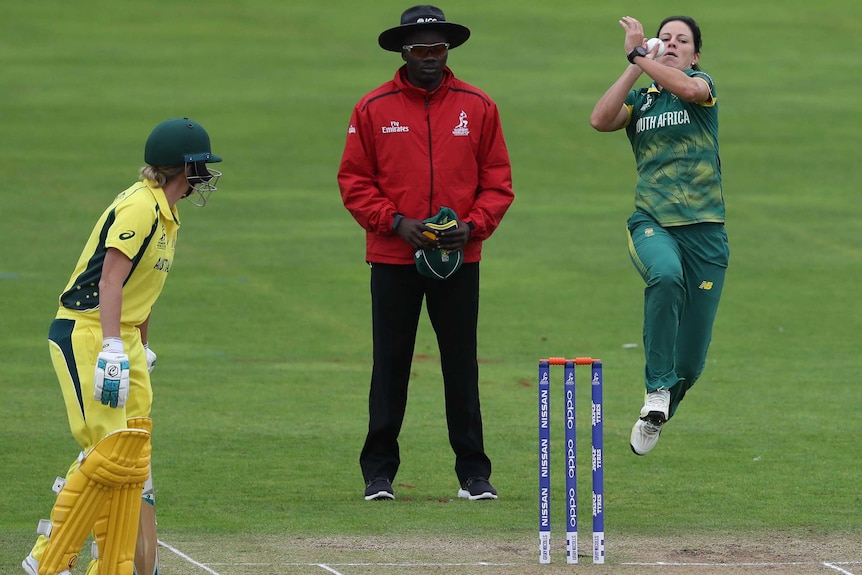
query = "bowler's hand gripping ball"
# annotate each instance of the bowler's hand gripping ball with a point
(651, 44)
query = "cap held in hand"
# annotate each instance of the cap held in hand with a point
(435, 262)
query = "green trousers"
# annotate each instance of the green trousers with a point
(684, 269)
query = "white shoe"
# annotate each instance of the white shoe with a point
(30, 565)
(644, 436)
(656, 406)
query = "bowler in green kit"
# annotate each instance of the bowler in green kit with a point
(677, 239)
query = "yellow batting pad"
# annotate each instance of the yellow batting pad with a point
(144, 423)
(117, 557)
(113, 463)
(116, 529)
(42, 540)
(146, 548)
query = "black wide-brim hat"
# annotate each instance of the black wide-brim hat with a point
(423, 17)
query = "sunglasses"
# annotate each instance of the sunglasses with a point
(422, 50)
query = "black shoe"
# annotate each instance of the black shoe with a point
(380, 488)
(477, 488)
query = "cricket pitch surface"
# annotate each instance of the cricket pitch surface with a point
(413, 554)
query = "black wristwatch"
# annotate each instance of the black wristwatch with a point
(638, 51)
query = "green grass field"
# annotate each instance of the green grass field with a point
(263, 331)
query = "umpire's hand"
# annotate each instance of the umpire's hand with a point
(411, 231)
(453, 240)
(420, 236)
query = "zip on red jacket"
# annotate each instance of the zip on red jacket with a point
(411, 151)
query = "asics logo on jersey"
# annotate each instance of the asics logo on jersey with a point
(127, 235)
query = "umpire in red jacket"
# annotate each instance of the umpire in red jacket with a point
(422, 141)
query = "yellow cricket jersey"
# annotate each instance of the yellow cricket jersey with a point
(141, 224)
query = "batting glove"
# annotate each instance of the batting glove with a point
(111, 381)
(151, 358)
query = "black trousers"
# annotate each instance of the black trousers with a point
(397, 292)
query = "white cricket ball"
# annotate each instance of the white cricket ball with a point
(651, 44)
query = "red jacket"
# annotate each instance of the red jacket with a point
(412, 151)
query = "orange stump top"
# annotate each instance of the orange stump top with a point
(576, 360)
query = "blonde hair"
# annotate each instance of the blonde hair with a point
(161, 175)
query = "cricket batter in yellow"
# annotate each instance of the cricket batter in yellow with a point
(99, 347)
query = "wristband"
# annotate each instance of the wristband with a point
(395, 222)
(112, 345)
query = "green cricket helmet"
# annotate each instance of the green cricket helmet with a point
(181, 141)
(178, 141)
(437, 263)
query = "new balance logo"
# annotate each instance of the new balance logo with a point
(705, 285)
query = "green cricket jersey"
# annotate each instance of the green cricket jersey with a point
(675, 144)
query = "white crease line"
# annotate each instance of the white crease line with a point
(703, 564)
(366, 564)
(187, 558)
(832, 565)
(837, 568)
(478, 564)
(483, 563)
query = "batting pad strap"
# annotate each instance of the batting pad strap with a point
(44, 527)
(111, 464)
(58, 484)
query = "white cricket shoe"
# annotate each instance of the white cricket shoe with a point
(31, 567)
(656, 406)
(644, 436)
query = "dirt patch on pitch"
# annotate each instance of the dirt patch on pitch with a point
(777, 554)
